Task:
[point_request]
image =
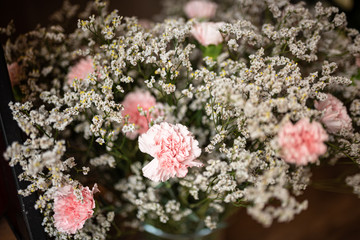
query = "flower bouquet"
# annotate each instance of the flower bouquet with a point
(168, 126)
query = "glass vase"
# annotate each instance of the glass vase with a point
(202, 233)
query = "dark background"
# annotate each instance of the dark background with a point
(330, 216)
(28, 13)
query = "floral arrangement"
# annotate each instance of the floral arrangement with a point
(175, 123)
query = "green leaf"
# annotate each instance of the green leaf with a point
(212, 50)
(160, 185)
(355, 77)
(17, 93)
(194, 217)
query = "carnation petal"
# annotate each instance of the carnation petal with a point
(151, 170)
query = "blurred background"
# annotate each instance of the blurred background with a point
(27, 14)
(332, 215)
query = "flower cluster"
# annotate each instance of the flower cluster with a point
(176, 120)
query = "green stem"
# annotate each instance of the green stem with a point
(42, 130)
(194, 205)
(342, 151)
(170, 191)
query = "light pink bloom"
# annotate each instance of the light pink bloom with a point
(14, 73)
(335, 116)
(303, 142)
(207, 33)
(200, 9)
(71, 213)
(133, 101)
(174, 149)
(145, 23)
(358, 62)
(80, 70)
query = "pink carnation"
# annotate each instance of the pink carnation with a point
(81, 70)
(145, 23)
(303, 142)
(131, 103)
(207, 33)
(358, 62)
(14, 73)
(174, 149)
(335, 116)
(200, 9)
(71, 213)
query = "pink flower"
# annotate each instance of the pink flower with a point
(303, 142)
(81, 70)
(358, 62)
(70, 212)
(174, 149)
(145, 23)
(14, 73)
(200, 9)
(207, 33)
(132, 102)
(335, 116)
